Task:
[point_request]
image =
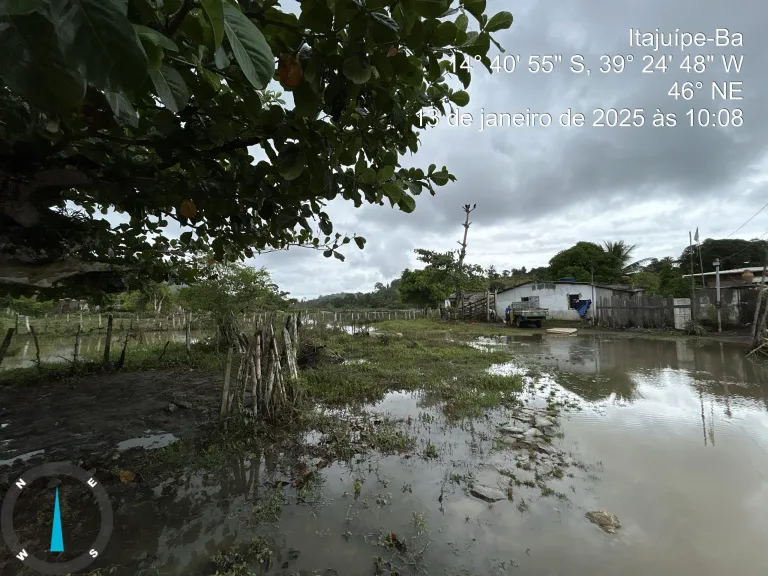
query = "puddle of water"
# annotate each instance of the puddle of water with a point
(147, 442)
(671, 438)
(21, 353)
(23, 457)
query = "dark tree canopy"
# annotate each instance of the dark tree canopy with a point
(157, 109)
(732, 252)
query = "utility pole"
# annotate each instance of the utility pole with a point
(717, 298)
(693, 280)
(459, 298)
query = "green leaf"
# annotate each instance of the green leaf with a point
(431, 8)
(97, 36)
(221, 58)
(147, 33)
(500, 21)
(440, 178)
(249, 46)
(122, 108)
(292, 163)
(393, 192)
(386, 21)
(154, 53)
(214, 9)
(360, 241)
(477, 45)
(170, 88)
(475, 7)
(31, 63)
(460, 98)
(445, 34)
(407, 204)
(338, 256)
(357, 70)
(385, 173)
(462, 22)
(306, 102)
(414, 187)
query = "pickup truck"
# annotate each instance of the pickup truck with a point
(528, 312)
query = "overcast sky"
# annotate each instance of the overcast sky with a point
(539, 190)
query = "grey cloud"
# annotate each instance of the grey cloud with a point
(539, 190)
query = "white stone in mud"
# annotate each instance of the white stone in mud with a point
(487, 493)
(532, 432)
(543, 422)
(515, 430)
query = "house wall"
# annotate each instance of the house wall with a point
(551, 296)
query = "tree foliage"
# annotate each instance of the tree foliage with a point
(383, 296)
(581, 260)
(157, 110)
(228, 289)
(442, 275)
(733, 253)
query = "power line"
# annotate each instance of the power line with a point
(748, 245)
(748, 221)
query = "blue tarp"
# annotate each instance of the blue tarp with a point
(582, 306)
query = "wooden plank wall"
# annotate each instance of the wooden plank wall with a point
(641, 311)
(476, 309)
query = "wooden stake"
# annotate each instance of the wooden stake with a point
(37, 349)
(188, 333)
(256, 351)
(76, 353)
(108, 344)
(121, 360)
(225, 390)
(6, 343)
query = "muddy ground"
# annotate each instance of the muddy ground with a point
(647, 430)
(78, 419)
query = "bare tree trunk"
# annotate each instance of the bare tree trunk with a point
(6, 343)
(459, 296)
(225, 390)
(108, 343)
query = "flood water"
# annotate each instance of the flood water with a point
(670, 436)
(54, 349)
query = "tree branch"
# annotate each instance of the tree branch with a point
(178, 18)
(46, 275)
(236, 144)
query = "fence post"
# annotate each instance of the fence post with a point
(187, 334)
(108, 343)
(6, 343)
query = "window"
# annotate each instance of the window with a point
(573, 300)
(525, 299)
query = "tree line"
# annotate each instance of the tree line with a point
(613, 262)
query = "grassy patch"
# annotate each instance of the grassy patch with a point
(412, 355)
(202, 357)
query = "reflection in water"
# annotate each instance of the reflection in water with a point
(681, 431)
(21, 354)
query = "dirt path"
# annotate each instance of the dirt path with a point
(76, 419)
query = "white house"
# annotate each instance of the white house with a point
(560, 297)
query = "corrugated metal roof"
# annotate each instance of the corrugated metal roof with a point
(604, 286)
(734, 271)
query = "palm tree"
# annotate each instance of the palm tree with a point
(621, 253)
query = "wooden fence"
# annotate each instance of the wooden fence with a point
(625, 311)
(477, 307)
